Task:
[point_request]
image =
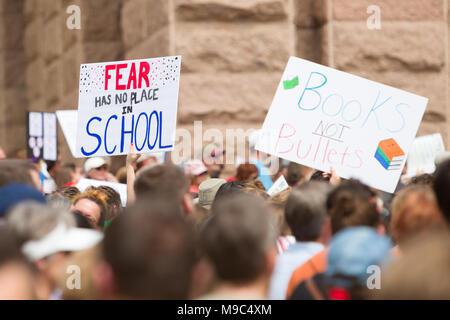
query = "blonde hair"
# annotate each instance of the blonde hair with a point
(277, 204)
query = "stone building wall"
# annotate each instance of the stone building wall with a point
(234, 52)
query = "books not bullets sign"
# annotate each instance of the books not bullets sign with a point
(321, 117)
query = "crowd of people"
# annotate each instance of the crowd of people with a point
(190, 231)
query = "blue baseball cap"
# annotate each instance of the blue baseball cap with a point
(352, 251)
(14, 193)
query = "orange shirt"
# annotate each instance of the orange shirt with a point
(317, 264)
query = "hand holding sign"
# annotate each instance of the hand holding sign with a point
(132, 157)
(330, 118)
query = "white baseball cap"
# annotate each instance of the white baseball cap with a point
(194, 167)
(62, 238)
(93, 163)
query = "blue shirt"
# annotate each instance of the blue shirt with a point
(263, 174)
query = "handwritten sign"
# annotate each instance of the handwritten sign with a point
(128, 102)
(42, 136)
(423, 153)
(120, 188)
(330, 118)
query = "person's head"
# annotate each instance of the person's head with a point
(149, 159)
(81, 221)
(14, 194)
(96, 168)
(113, 200)
(46, 236)
(319, 176)
(63, 177)
(165, 180)
(421, 272)
(246, 172)
(17, 276)
(32, 220)
(207, 192)
(414, 210)
(20, 171)
(214, 159)
(69, 192)
(121, 175)
(196, 171)
(93, 205)
(296, 173)
(148, 253)
(277, 205)
(239, 240)
(59, 202)
(441, 185)
(229, 188)
(53, 167)
(306, 213)
(256, 188)
(352, 204)
(68, 174)
(354, 253)
(423, 179)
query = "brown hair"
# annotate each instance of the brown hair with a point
(113, 200)
(245, 171)
(151, 251)
(352, 204)
(237, 238)
(161, 179)
(305, 210)
(69, 192)
(18, 171)
(415, 209)
(63, 176)
(422, 271)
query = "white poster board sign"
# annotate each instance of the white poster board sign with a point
(278, 186)
(321, 117)
(423, 153)
(128, 102)
(121, 188)
(68, 121)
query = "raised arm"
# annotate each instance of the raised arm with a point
(131, 175)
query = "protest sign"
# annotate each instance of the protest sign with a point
(42, 136)
(278, 186)
(423, 153)
(128, 102)
(321, 117)
(68, 121)
(121, 188)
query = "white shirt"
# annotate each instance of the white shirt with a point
(297, 254)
